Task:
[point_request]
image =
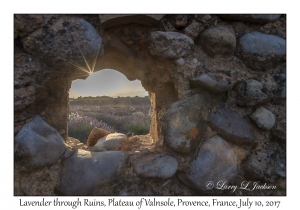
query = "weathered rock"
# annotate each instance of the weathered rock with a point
(24, 97)
(241, 152)
(95, 135)
(27, 79)
(263, 118)
(278, 132)
(93, 19)
(85, 172)
(28, 23)
(250, 92)
(257, 164)
(180, 62)
(170, 44)
(155, 166)
(261, 51)
(179, 21)
(40, 182)
(69, 43)
(34, 94)
(270, 87)
(187, 67)
(218, 42)
(205, 18)
(240, 29)
(277, 27)
(215, 162)
(109, 20)
(254, 18)
(214, 83)
(69, 152)
(280, 92)
(231, 126)
(72, 144)
(110, 142)
(184, 124)
(266, 163)
(38, 144)
(193, 30)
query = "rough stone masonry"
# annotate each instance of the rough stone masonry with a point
(217, 85)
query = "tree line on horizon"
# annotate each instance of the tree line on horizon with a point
(107, 100)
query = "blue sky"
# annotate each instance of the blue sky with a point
(107, 82)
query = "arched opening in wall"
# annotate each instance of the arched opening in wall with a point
(108, 100)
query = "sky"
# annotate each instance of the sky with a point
(107, 82)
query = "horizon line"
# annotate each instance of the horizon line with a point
(99, 96)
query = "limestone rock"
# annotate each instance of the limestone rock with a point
(194, 29)
(277, 27)
(109, 20)
(261, 51)
(95, 135)
(257, 164)
(69, 152)
(266, 163)
(205, 18)
(187, 67)
(240, 29)
(110, 142)
(278, 132)
(93, 19)
(170, 44)
(85, 172)
(180, 62)
(215, 161)
(41, 182)
(214, 83)
(36, 92)
(231, 126)
(254, 18)
(69, 43)
(179, 21)
(280, 92)
(265, 17)
(27, 79)
(156, 166)
(250, 92)
(184, 123)
(218, 42)
(38, 144)
(263, 118)
(24, 97)
(28, 23)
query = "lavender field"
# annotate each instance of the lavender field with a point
(126, 115)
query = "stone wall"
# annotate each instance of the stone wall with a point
(217, 85)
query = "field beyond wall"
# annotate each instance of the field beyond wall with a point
(128, 115)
